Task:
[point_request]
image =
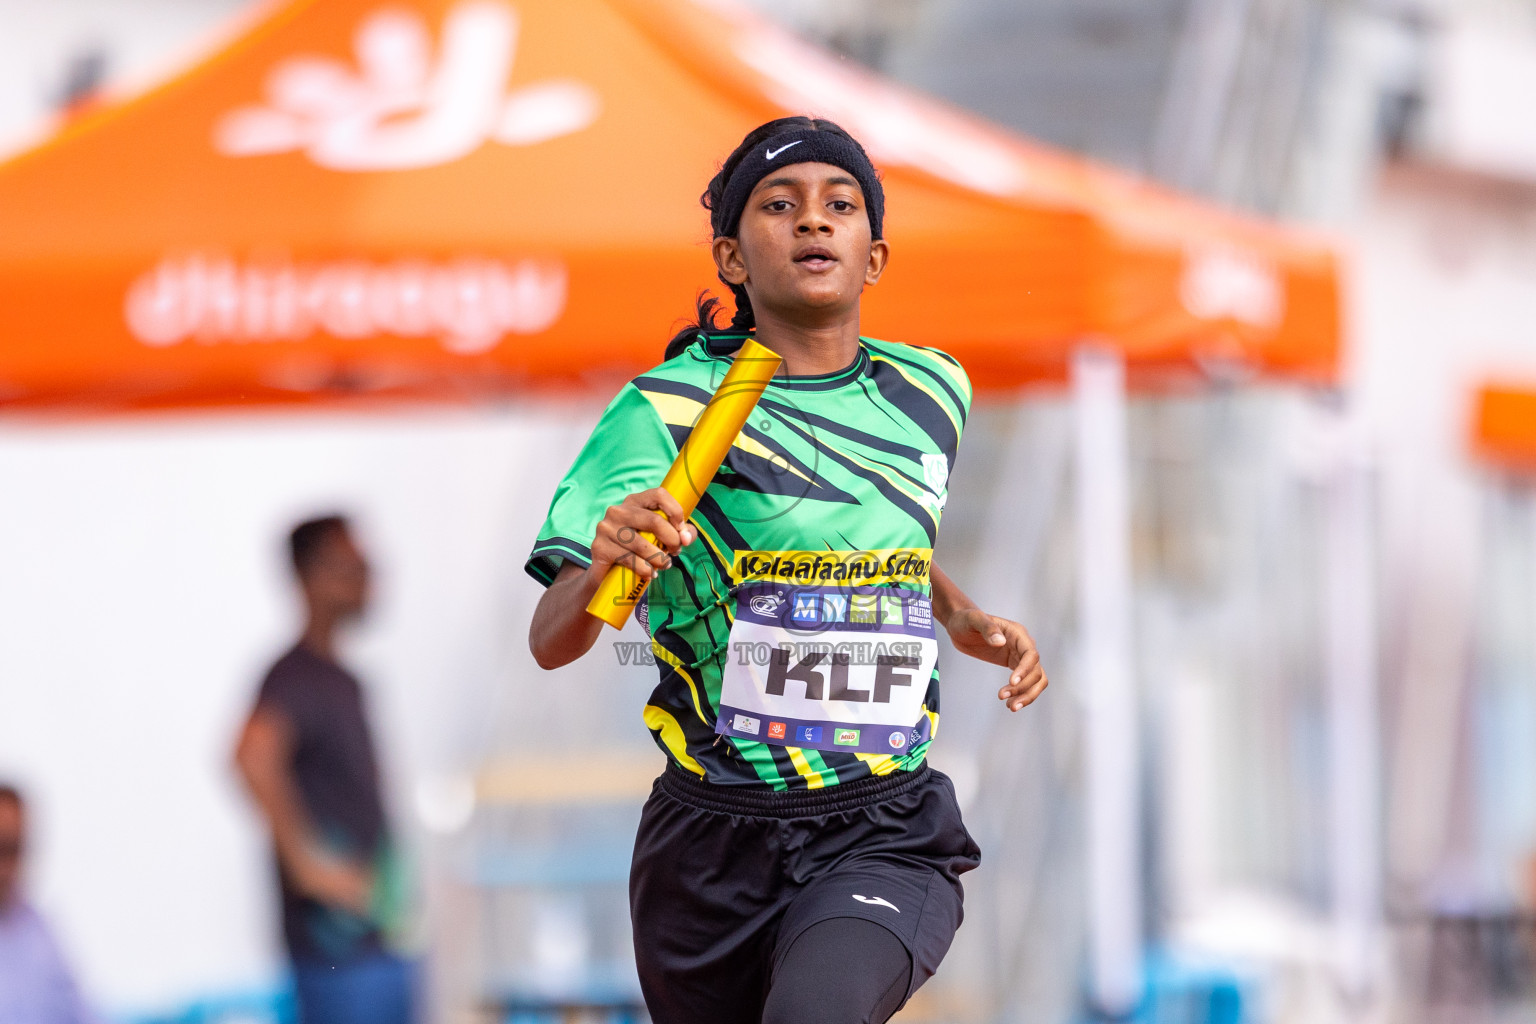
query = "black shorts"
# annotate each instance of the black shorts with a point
(725, 879)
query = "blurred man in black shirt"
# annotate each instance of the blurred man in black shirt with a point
(307, 756)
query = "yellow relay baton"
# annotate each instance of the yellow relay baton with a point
(695, 466)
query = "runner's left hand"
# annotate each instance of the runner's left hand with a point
(1001, 642)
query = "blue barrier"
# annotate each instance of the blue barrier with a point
(1181, 989)
(260, 1006)
(1184, 990)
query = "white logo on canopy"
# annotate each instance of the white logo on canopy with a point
(469, 305)
(403, 107)
(1222, 283)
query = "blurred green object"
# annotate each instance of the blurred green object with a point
(390, 905)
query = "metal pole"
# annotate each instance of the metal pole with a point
(1354, 743)
(1104, 588)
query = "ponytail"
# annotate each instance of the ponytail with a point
(744, 319)
(704, 320)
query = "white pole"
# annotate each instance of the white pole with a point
(1104, 588)
(1353, 742)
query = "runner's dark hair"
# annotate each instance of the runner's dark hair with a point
(708, 305)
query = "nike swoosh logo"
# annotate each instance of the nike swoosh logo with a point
(770, 155)
(877, 901)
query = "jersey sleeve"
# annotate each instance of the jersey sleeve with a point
(630, 450)
(948, 384)
(957, 382)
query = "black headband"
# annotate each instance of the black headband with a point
(803, 146)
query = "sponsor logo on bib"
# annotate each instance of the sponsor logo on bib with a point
(767, 604)
(775, 730)
(744, 723)
(807, 608)
(898, 740)
(846, 738)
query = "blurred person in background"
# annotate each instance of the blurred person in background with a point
(36, 984)
(308, 758)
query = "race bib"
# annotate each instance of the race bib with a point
(831, 668)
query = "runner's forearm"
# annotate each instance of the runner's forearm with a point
(562, 629)
(948, 598)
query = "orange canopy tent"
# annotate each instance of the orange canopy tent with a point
(1167, 279)
(459, 197)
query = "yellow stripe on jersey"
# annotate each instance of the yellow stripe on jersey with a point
(942, 403)
(813, 778)
(761, 758)
(679, 411)
(879, 764)
(950, 372)
(659, 720)
(723, 560)
(674, 410)
(677, 664)
(705, 535)
(901, 483)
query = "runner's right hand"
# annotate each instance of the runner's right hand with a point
(619, 541)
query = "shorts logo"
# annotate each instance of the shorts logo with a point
(898, 740)
(775, 730)
(877, 901)
(767, 604)
(808, 734)
(846, 738)
(742, 723)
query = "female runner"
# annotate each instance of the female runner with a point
(798, 861)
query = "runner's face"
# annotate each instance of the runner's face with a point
(804, 244)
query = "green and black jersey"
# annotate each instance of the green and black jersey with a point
(837, 481)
